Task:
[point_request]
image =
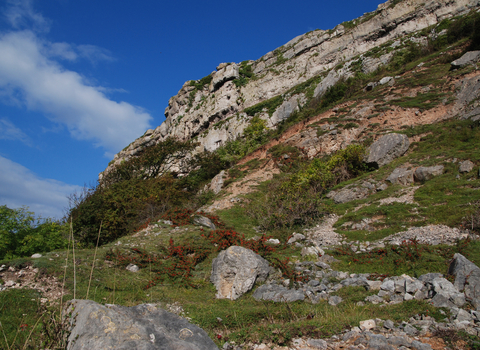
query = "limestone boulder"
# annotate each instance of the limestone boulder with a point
(277, 293)
(401, 176)
(470, 57)
(235, 271)
(386, 149)
(145, 327)
(204, 221)
(467, 278)
(466, 166)
(426, 173)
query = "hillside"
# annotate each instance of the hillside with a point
(347, 159)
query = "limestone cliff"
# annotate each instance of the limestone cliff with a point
(218, 107)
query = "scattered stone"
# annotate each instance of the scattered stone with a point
(96, 326)
(273, 241)
(386, 149)
(426, 173)
(295, 238)
(132, 268)
(349, 194)
(466, 166)
(386, 80)
(235, 271)
(203, 221)
(36, 256)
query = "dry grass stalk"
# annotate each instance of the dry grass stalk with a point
(94, 257)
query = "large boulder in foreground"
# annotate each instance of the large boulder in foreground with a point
(142, 327)
(386, 149)
(235, 271)
(467, 278)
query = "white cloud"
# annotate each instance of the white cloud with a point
(20, 14)
(20, 186)
(42, 84)
(31, 75)
(8, 131)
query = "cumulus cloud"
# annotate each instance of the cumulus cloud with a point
(8, 131)
(31, 74)
(20, 186)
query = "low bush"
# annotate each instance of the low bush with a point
(21, 234)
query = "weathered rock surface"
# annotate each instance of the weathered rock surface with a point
(235, 271)
(466, 166)
(401, 176)
(145, 327)
(277, 293)
(204, 221)
(468, 58)
(467, 278)
(426, 173)
(386, 149)
(217, 182)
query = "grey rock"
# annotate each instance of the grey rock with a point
(468, 58)
(413, 285)
(274, 292)
(410, 330)
(203, 221)
(426, 173)
(466, 166)
(398, 341)
(429, 277)
(217, 182)
(467, 278)
(296, 237)
(444, 287)
(142, 327)
(439, 300)
(382, 187)
(420, 295)
(36, 256)
(322, 265)
(463, 315)
(386, 80)
(388, 285)
(225, 74)
(334, 300)
(386, 149)
(319, 344)
(416, 345)
(349, 194)
(374, 285)
(132, 268)
(374, 299)
(388, 324)
(401, 176)
(358, 282)
(235, 271)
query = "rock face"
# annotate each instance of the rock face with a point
(213, 109)
(467, 278)
(386, 149)
(145, 327)
(235, 271)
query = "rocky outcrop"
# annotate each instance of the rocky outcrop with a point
(213, 109)
(402, 176)
(386, 149)
(145, 326)
(235, 271)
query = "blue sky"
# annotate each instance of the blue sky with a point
(80, 80)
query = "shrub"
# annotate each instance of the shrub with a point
(21, 234)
